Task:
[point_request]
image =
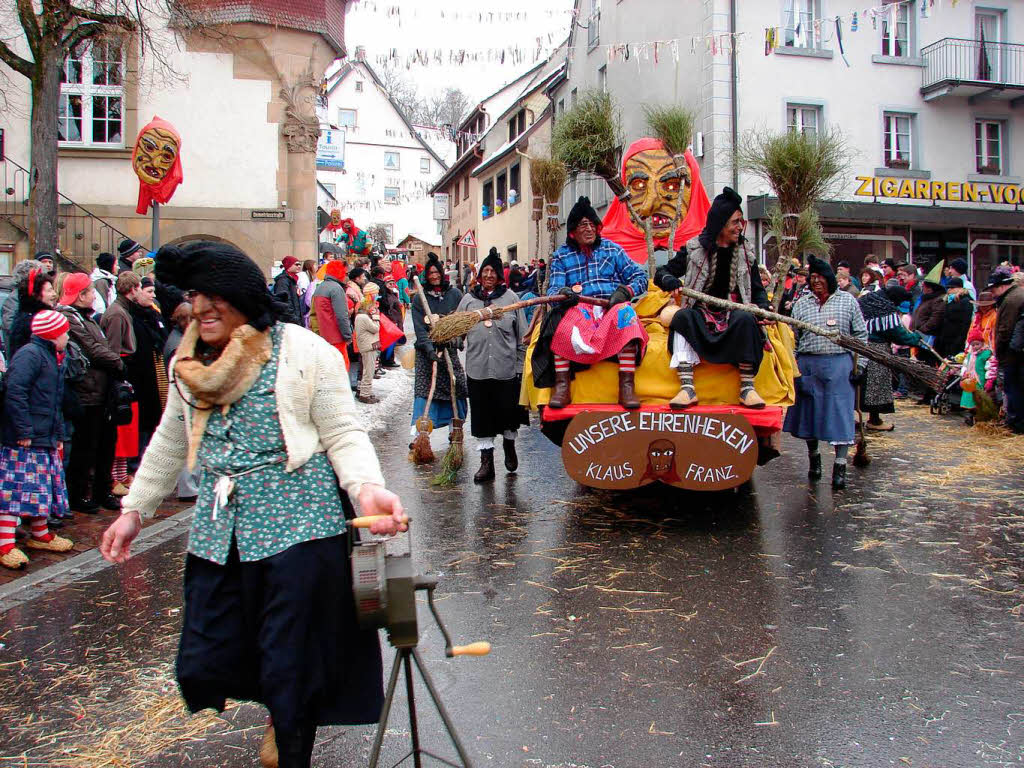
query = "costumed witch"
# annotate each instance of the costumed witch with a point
(264, 408)
(443, 298)
(882, 318)
(824, 404)
(494, 367)
(589, 265)
(717, 262)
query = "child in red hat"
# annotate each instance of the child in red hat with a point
(974, 373)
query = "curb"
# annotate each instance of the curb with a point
(87, 563)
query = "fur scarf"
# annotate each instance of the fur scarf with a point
(223, 381)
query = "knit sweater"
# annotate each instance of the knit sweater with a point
(315, 409)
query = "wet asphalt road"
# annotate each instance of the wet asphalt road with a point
(779, 627)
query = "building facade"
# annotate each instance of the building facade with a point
(489, 183)
(241, 95)
(389, 167)
(926, 94)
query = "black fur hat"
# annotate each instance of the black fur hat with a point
(582, 210)
(220, 269)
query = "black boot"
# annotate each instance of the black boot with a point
(814, 471)
(511, 458)
(486, 471)
(838, 477)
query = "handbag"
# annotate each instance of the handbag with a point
(122, 395)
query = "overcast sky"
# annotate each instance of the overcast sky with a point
(376, 25)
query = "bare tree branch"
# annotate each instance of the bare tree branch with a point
(118, 20)
(30, 26)
(14, 61)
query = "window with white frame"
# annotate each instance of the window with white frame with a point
(424, 165)
(988, 146)
(803, 118)
(594, 23)
(602, 79)
(896, 29)
(391, 195)
(897, 146)
(359, 86)
(346, 118)
(91, 108)
(332, 189)
(802, 22)
(392, 161)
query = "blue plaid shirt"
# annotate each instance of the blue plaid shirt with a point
(606, 269)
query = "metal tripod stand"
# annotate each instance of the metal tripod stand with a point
(404, 657)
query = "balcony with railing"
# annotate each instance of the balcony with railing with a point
(977, 69)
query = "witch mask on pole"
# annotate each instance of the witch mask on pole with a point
(156, 160)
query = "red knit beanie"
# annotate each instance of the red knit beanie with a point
(49, 324)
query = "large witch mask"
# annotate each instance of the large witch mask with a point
(655, 186)
(156, 160)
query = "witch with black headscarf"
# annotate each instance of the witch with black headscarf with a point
(265, 409)
(494, 367)
(717, 262)
(825, 391)
(443, 298)
(885, 327)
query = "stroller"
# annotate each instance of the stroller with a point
(947, 400)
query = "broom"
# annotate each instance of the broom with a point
(860, 456)
(673, 126)
(421, 452)
(453, 457)
(459, 323)
(452, 460)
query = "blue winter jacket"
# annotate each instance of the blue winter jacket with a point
(34, 392)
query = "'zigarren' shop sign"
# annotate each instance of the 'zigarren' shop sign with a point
(951, 191)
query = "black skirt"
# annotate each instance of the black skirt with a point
(742, 340)
(494, 406)
(283, 632)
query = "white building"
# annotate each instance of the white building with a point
(242, 102)
(927, 94)
(388, 166)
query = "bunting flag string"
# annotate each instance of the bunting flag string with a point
(826, 30)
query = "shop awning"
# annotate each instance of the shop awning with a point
(940, 217)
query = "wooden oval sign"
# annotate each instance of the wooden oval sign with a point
(698, 451)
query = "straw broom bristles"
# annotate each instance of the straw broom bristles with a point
(454, 456)
(547, 178)
(459, 323)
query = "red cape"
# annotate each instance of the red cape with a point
(619, 228)
(164, 190)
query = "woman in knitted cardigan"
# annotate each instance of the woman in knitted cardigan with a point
(263, 407)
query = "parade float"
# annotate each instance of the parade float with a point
(659, 204)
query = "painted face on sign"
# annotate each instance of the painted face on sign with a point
(661, 458)
(654, 187)
(336, 217)
(155, 154)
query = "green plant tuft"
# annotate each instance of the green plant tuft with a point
(810, 238)
(588, 137)
(800, 168)
(672, 124)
